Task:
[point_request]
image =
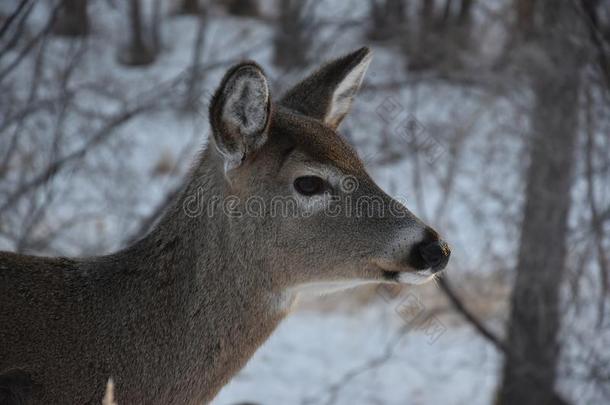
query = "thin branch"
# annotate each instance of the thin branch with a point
(101, 135)
(470, 317)
(335, 388)
(596, 222)
(31, 44)
(588, 14)
(12, 17)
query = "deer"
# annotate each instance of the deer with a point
(173, 316)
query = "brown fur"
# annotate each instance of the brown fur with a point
(174, 316)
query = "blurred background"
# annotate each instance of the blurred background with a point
(490, 119)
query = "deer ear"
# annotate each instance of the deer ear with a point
(239, 113)
(328, 93)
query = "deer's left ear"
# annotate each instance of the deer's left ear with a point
(328, 93)
(239, 113)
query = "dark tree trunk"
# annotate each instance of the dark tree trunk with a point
(465, 13)
(426, 10)
(525, 16)
(530, 368)
(73, 20)
(291, 41)
(388, 19)
(600, 35)
(155, 32)
(418, 45)
(189, 7)
(441, 36)
(246, 8)
(446, 17)
(193, 99)
(138, 52)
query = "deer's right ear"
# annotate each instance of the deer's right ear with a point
(239, 113)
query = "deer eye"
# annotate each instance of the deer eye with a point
(309, 185)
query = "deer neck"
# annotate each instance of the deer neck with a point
(219, 310)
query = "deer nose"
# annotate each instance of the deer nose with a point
(435, 254)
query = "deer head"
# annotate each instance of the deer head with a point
(303, 206)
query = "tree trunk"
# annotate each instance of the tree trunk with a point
(446, 16)
(291, 40)
(525, 16)
(530, 368)
(245, 8)
(192, 101)
(388, 19)
(138, 52)
(189, 7)
(464, 15)
(73, 20)
(419, 46)
(155, 31)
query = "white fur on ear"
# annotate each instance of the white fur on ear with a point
(245, 109)
(241, 108)
(344, 93)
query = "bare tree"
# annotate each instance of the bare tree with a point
(73, 20)
(465, 12)
(388, 19)
(292, 38)
(530, 369)
(138, 52)
(189, 7)
(195, 77)
(155, 30)
(440, 36)
(525, 16)
(243, 7)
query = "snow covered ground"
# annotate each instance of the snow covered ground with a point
(366, 358)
